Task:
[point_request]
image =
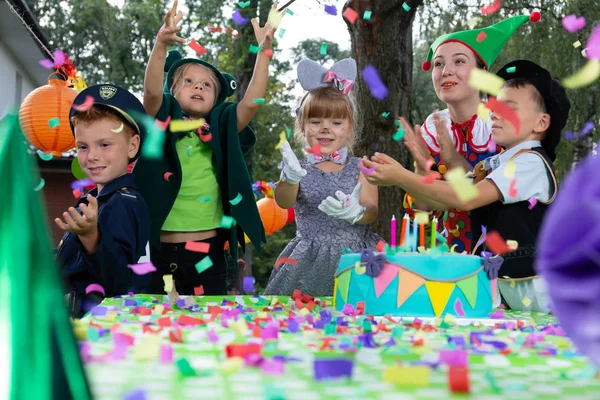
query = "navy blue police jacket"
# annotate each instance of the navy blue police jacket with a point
(124, 224)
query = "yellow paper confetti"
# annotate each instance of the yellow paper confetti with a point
(512, 244)
(577, 44)
(584, 77)
(274, 301)
(119, 129)
(483, 112)
(304, 312)
(412, 376)
(149, 349)
(526, 302)
(464, 189)
(275, 18)
(359, 269)
(168, 279)
(513, 283)
(231, 365)
(240, 327)
(422, 217)
(473, 22)
(180, 125)
(282, 140)
(485, 81)
(158, 310)
(510, 169)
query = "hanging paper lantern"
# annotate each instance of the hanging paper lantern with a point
(273, 217)
(44, 116)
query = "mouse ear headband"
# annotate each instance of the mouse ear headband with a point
(313, 75)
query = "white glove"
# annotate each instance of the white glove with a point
(291, 171)
(346, 207)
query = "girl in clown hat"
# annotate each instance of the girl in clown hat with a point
(451, 58)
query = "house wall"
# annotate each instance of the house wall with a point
(58, 197)
(15, 85)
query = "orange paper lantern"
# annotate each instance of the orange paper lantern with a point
(273, 217)
(44, 117)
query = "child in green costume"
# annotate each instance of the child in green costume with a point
(202, 176)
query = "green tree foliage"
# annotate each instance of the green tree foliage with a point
(311, 48)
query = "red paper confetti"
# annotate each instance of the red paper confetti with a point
(269, 53)
(496, 243)
(167, 175)
(512, 190)
(316, 150)
(198, 247)
(241, 260)
(350, 15)
(86, 105)
(282, 260)
(458, 379)
(504, 112)
(77, 193)
(481, 36)
(197, 47)
(163, 124)
(205, 137)
(492, 8)
(199, 291)
(380, 245)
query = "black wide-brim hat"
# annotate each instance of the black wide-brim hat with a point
(554, 96)
(117, 99)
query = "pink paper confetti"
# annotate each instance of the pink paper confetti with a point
(143, 268)
(492, 8)
(498, 314)
(166, 354)
(366, 171)
(272, 367)
(592, 47)
(212, 336)
(94, 287)
(572, 23)
(458, 308)
(86, 105)
(532, 202)
(59, 59)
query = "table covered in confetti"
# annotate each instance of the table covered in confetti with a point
(253, 347)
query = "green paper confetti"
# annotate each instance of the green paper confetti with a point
(399, 134)
(511, 70)
(45, 156)
(397, 123)
(281, 33)
(188, 150)
(367, 15)
(288, 132)
(406, 7)
(40, 185)
(385, 114)
(323, 50)
(54, 122)
(259, 100)
(184, 367)
(244, 4)
(254, 49)
(288, 11)
(237, 199)
(204, 264)
(227, 221)
(204, 199)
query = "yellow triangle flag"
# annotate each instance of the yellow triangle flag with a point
(343, 283)
(439, 293)
(469, 288)
(408, 283)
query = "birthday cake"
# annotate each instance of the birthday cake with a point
(416, 285)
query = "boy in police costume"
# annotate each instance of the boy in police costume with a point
(504, 200)
(109, 227)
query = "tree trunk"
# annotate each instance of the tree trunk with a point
(385, 41)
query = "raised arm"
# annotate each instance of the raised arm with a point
(154, 78)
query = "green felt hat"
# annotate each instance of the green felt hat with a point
(486, 42)
(175, 60)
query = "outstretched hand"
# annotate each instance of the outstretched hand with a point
(416, 145)
(167, 35)
(264, 35)
(345, 206)
(448, 152)
(384, 170)
(82, 225)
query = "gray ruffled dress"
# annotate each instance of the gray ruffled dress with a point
(320, 238)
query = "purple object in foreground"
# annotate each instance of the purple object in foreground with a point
(333, 368)
(331, 9)
(239, 19)
(568, 257)
(376, 85)
(138, 394)
(248, 284)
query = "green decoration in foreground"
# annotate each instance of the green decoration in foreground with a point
(39, 354)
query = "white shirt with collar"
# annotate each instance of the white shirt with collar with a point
(531, 175)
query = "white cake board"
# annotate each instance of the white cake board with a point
(458, 321)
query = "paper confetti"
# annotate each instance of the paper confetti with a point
(239, 19)
(510, 169)
(58, 59)
(248, 285)
(464, 188)
(227, 221)
(86, 105)
(142, 268)
(275, 18)
(577, 44)
(532, 202)
(587, 128)
(512, 190)
(407, 376)
(199, 291)
(197, 247)
(204, 264)
(285, 260)
(323, 50)
(40, 185)
(492, 8)
(504, 112)
(206, 137)
(496, 243)
(367, 15)
(585, 76)
(350, 15)
(485, 81)
(259, 100)
(374, 82)
(237, 200)
(458, 308)
(253, 49)
(45, 156)
(511, 70)
(94, 287)
(331, 9)
(244, 4)
(185, 368)
(483, 112)
(281, 33)
(180, 125)
(406, 7)
(167, 175)
(54, 122)
(268, 53)
(137, 394)
(119, 129)
(572, 23)
(205, 199)
(198, 48)
(473, 22)
(168, 280)
(592, 47)
(282, 140)
(366, 171)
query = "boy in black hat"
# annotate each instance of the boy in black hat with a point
(109, 228)
(514, 187)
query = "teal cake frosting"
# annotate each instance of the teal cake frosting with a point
(414, 285)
